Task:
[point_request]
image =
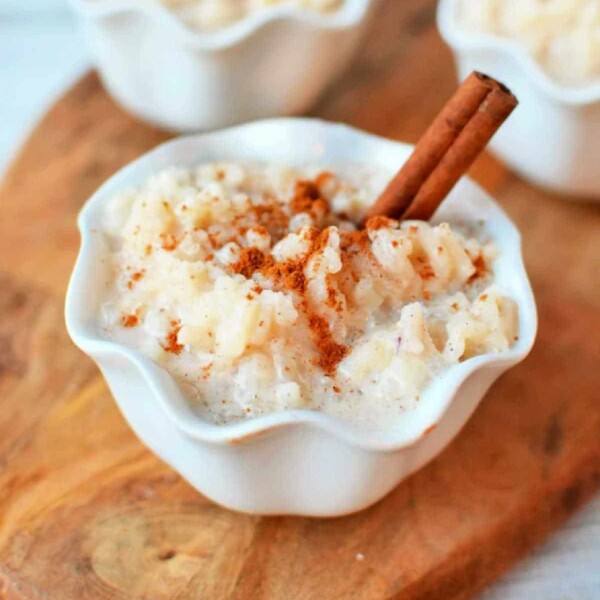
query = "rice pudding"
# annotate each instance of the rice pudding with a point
(214, 14)
(252, 286)
(563, 36)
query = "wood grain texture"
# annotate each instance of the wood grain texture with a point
(86, 512)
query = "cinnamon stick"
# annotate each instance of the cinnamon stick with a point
(447, 149)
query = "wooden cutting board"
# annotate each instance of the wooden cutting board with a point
(87, 512)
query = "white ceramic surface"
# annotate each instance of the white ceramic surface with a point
(553, 138)
(273, 62)
(291, 462)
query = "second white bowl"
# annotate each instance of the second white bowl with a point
(273, 62)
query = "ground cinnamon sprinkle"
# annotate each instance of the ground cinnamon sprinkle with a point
(206, 370)
(213, 239)
(289, 275)
(311, 234)
(426, 272)
(129, 320)
(307, 198)
(251, 259)
(359, 240)
(135, 277)
(330, 352)
(480, 268)
(168, 241)
(380, 222)
(172, 345)
(323, 178)
(333, 296)
(259, 229)
(319, 240)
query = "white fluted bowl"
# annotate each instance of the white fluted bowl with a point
(553, 138)
(273, 62)
(290, 462)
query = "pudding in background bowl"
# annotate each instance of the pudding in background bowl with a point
(562, 36)
(546, 52)
(209, 15)
(177, 273)
(265, 62)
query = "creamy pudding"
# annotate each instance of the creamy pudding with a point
(253, 287)
(563, 36)
(215, 14)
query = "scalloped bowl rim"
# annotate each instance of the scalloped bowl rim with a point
(465, 41)
(347, 16)
(441, 390)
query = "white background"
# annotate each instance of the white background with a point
(41, 52)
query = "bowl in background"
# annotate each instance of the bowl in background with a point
(553, 138)
(275, 61)
(299, 461)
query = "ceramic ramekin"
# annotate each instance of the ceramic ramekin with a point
(553, 138)
(274, 62)
(290, 462)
